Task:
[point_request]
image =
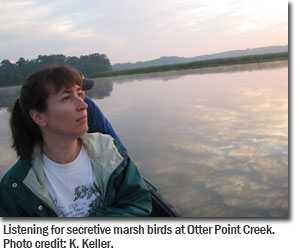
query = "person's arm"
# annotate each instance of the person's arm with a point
(132, 197)
(96, 118)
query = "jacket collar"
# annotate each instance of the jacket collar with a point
(104, 155)
(105, 159)
(36, 180)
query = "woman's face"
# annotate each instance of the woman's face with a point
(66, 114)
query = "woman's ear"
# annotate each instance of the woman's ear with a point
(38, 117)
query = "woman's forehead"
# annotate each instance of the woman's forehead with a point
(70, 89)
(59, 88)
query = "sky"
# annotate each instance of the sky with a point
(138, 30)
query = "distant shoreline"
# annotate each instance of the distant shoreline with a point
(197, 64)
(212, 63)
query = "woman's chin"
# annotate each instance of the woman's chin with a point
(82, 131)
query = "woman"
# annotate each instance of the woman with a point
(63, 170)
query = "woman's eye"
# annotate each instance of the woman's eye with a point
(66, 98)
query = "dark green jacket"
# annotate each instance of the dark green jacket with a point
(23, 191)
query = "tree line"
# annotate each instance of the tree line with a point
(15, 73)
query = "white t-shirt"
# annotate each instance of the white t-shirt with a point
(72, 186)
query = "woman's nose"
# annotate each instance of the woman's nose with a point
(81, 104)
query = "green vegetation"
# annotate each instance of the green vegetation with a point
(96, 65)
(197, 64)
(15, 73)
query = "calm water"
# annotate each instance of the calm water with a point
(214, 141)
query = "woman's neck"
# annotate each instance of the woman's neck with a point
(62, 152)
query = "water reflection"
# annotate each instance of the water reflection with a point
(215, 144)
(8, 95)
(102, 88)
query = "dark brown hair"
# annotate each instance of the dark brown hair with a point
(34, 94)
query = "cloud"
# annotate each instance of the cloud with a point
(137, 30)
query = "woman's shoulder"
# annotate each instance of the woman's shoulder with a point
(101, 142)
(17, 172)
(103, 152)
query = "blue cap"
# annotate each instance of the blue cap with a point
(87, 83)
